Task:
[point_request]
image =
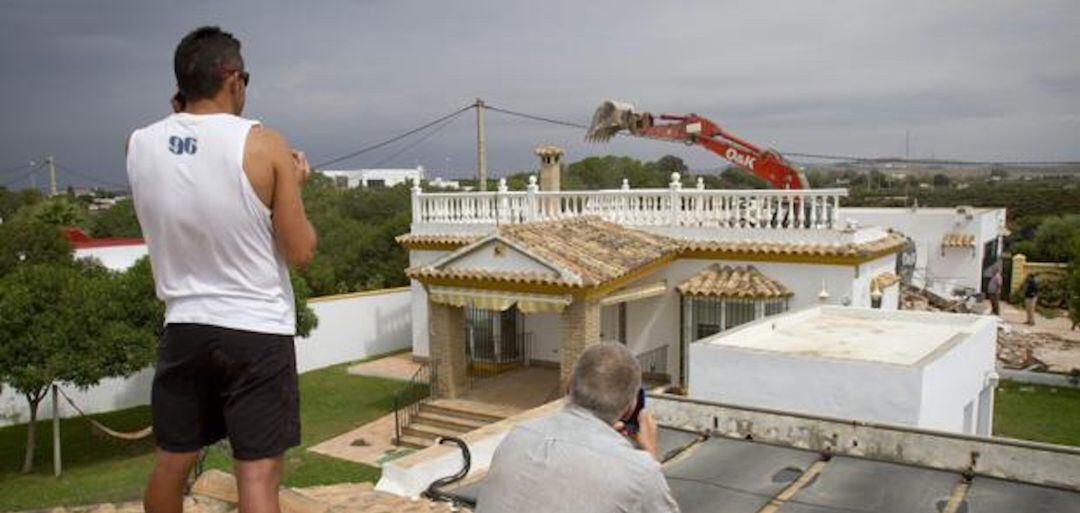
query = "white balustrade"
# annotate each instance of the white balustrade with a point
(674, 206)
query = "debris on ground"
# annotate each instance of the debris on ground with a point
(1019, 348)
(912, 298)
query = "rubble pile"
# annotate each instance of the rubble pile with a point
(912, 298)
(1023, 349)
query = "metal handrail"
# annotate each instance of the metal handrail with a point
(406, 403)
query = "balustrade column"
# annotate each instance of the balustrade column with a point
(417, 217)
(530, 199)
(675, 186)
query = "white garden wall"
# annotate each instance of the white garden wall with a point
(351, 327)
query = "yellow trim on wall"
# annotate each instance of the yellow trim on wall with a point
(596, 292)
(363, 293)
(493, 284)
(599, 291)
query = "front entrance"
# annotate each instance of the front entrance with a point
(990, 258)
(613, 323)
(495, 341)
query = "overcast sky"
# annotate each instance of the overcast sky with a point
(987, 80)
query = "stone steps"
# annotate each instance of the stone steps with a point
(444, 418)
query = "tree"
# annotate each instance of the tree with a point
(671, 164)
(940, 180)
(59, 211)
(66, 323)
(306, 320)
(12, 201)
(1055, 238)
(116, 221)
(27, 240)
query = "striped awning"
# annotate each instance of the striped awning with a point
(635, 293)
(498, 300)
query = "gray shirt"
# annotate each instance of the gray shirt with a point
(571, 461)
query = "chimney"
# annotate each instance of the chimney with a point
(550, 162)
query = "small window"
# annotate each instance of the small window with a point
(341, 181)
(738, 312)
(707, 316)
(775, 306)
(376, 183)
(705, 330)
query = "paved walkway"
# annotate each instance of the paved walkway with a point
(399, 366)
(370, 444)
(1060, 326)
(503, 395)
(522, 389)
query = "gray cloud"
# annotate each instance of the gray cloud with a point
(976, 80)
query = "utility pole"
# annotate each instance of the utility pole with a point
(52, 174)
(907, 144)
(481, 151)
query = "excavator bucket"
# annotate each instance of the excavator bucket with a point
(611, 118)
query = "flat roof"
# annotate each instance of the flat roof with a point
(894, 337)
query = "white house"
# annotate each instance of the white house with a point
(531, 277)
(922, 369)
(954, 247)
(374, 177)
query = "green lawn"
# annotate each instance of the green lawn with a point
(1037, 412)
(99, 469)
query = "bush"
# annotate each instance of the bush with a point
(1053, 293)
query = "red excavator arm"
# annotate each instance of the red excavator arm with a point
(768, 165)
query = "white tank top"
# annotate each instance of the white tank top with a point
(210, 237)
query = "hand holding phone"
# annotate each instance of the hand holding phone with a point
(631, 424)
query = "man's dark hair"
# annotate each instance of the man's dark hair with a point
(202, 61)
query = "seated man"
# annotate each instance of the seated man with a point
(576, 460)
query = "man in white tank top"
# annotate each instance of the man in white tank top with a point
(218, 199)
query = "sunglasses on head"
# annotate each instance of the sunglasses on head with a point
(244, 76)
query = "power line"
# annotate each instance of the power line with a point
(22, 176)
(16, 168)
(538, 118)
(418, 142)
(393, 139)
(92, 178)
(850, 158)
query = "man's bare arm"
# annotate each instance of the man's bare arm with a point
(293, 233)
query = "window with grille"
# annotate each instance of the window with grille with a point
(704, 316)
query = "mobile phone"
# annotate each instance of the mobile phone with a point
(630, 423)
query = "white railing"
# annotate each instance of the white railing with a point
(673, 206)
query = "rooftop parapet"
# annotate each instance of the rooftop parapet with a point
(758, 210)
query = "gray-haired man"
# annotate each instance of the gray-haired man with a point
(575, 459)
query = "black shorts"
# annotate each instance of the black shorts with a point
(213, 382)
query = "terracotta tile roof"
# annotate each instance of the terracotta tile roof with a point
(733, 282)
(596, 250)
(891, 242)
(419, 241)
(958, 240)
(487, 275)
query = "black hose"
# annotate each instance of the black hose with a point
(434, 491)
